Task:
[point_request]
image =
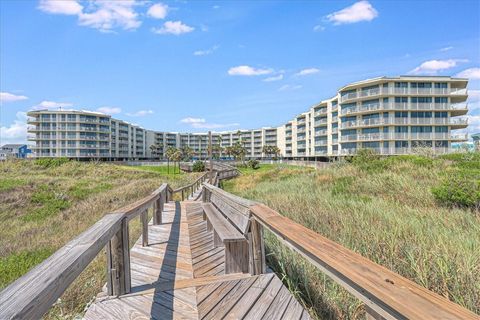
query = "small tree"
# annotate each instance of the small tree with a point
(187, 153)
(276, 152)
(169, 154)
(267, 150)
(176, 158)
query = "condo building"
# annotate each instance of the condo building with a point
(392, 115)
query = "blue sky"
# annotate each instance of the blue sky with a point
(191, 66)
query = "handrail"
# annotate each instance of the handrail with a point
(385, 293)
(32, 295)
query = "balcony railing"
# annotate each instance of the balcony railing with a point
(394, 151)
(404, 136)
(404, 107)
(403, 121)
(402, 91)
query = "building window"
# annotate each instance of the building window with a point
(441, 85)
(441, 100)
(420, 85)
(441, 129)
(401, 84)
(420, 129)
(442, 114)
(421, 99)
(401, 99)
(421, 114)
(401, 144)
(401, 114)
(401, 129)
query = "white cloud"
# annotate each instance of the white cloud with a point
(471, 73)
(359, 11)
(51, 105)
(108, 15)
(158, 11)
(274, 78)
(473, 123)
(67, 7)
(201, 123)
(206, 52)
(289, 87)
(474, 95)
(434, 66)
(16, 132)
(109, 110)
(10, 97)
(318, 28)
(307, 71)
(173, 27)
(141, 113)
(248, 71)
(216, 7)
(99, 14)
(446, 49)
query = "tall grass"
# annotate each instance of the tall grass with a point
(386, 213)
(45, 205)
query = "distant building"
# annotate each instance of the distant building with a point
(391, 115)
(18, 151)
(476, 141)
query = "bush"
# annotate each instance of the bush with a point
(198, 166)
(459, 191)
(254, 164)
(369, 160)
(51, 162)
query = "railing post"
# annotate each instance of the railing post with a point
(183, 194)
(118, 259)
(157, 210)
(256, 248)
(144, 221)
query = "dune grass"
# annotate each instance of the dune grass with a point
(44, 205)
(384, 210)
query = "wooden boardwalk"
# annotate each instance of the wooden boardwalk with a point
(180, 275)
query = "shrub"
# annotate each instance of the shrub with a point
(369, 160)
(459, 191)
(51, 162)
(253, 164)
(198, 166)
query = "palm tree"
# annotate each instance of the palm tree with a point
(187, 153)
(169, 154)
(177, 157)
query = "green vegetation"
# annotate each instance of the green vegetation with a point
(253, 164)
(386, 209)
(46, 203)
(198, 166)
(164, 170)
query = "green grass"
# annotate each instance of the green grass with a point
(17, 264)
(159, 169)
(386, 212)
(7, 184)
(45, 204)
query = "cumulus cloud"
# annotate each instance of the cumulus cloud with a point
(158, 11)
(248, 71)
(10, 97)
(359, 11)
(289, 87)
(307, 71)
(318, 28)
(434, 66)
(471, 73)
(141, 113)
(473, 123)
(51, 105)
(109, 110)
(102, 15)
(173, 27)
(201, 123)
(16, 132)
(274, 78)
(207, 51)
(67, 7)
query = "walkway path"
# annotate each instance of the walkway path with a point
(180, 275)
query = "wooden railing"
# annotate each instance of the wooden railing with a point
(189, 189)
(386, 295)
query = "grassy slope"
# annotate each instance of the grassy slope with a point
(388, 215)
(41, 209)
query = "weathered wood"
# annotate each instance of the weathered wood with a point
(144, 221)
(385, 292)
(30, 296)
(157, 211)
(236, 257)
(225, 231)
(120, 261)
(257, 248)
